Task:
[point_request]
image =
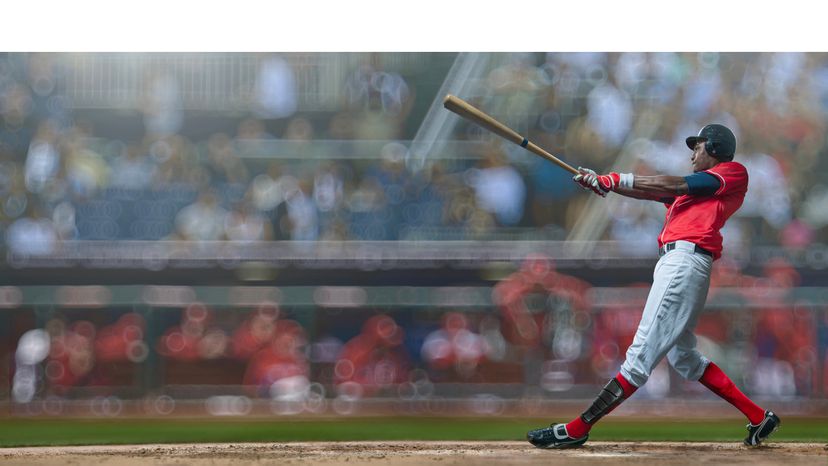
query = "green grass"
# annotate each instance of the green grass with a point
(35, 432)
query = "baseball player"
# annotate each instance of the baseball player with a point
(698, 206)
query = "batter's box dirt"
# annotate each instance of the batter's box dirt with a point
(419, 453)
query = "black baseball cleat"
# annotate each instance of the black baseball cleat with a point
(554, 436)
(757, 434)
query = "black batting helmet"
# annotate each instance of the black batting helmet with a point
(719, 141)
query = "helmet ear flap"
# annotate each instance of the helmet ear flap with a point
(710, 147)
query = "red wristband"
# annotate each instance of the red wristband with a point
(610, 181)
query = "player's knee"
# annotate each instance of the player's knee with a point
(634, 376)
(688, 364)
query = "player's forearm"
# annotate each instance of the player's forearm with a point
(660, 186)
(639, 194)
(652, 188)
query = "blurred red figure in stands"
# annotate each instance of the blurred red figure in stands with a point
(537, 275)
(279, 368)
(455, 347)
(195, 338)
(785, 336)
(71, 355)
(373, 360)
(122, 341)
(727, 273)
(255, 332)
(613, 330)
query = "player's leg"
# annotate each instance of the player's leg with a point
(685, 358)
(576, 433)
(679, 291)
(762, 422)
(691, 365)
(677, 296)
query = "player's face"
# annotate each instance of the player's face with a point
(700, 159)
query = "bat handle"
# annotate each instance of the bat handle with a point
(535, 149)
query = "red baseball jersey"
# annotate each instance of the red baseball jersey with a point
(698, 219)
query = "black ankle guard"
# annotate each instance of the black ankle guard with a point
(611, 396)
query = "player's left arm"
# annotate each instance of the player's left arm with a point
(657, 187)
(697, 184)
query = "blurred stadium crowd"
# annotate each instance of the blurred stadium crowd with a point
(269, 170)
(153, 156)
(547, 333)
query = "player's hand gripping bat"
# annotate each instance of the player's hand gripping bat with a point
(467, 111)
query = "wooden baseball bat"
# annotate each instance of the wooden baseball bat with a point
(467, 111)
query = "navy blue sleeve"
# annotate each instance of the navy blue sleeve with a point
(702, 184)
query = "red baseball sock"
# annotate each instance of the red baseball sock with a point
(719, 383)
(578, 428)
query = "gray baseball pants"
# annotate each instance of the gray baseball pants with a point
(680, 283)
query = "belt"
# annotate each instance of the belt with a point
(670, 246)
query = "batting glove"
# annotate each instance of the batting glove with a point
(599, 184)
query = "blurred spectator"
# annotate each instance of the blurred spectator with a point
(71, 354)
(454, 347)
(133, 169)
(498, 187)
(16, 107)
(373, 360)
(613, 331)
(43, 161)
(177, 164)
(768, 197)
(727, 273)
(784, 336)
(276, 88)
(203, 220)
(33, 235)
(328, 187)
(267, 193)
(245, 223)
(195, 339)
(368, 88)
(63, 221)
(381, 100)
(87, 172)
(302, 219)
(610, 114)
(162, 104)
(563, 296)
(122, 341)
(33, 347)
(280, 368)
(224, 164)
(256, 331)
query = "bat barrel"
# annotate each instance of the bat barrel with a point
(469, 112)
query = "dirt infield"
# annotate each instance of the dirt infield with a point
(415, 453)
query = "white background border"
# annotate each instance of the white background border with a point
(411, 25)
